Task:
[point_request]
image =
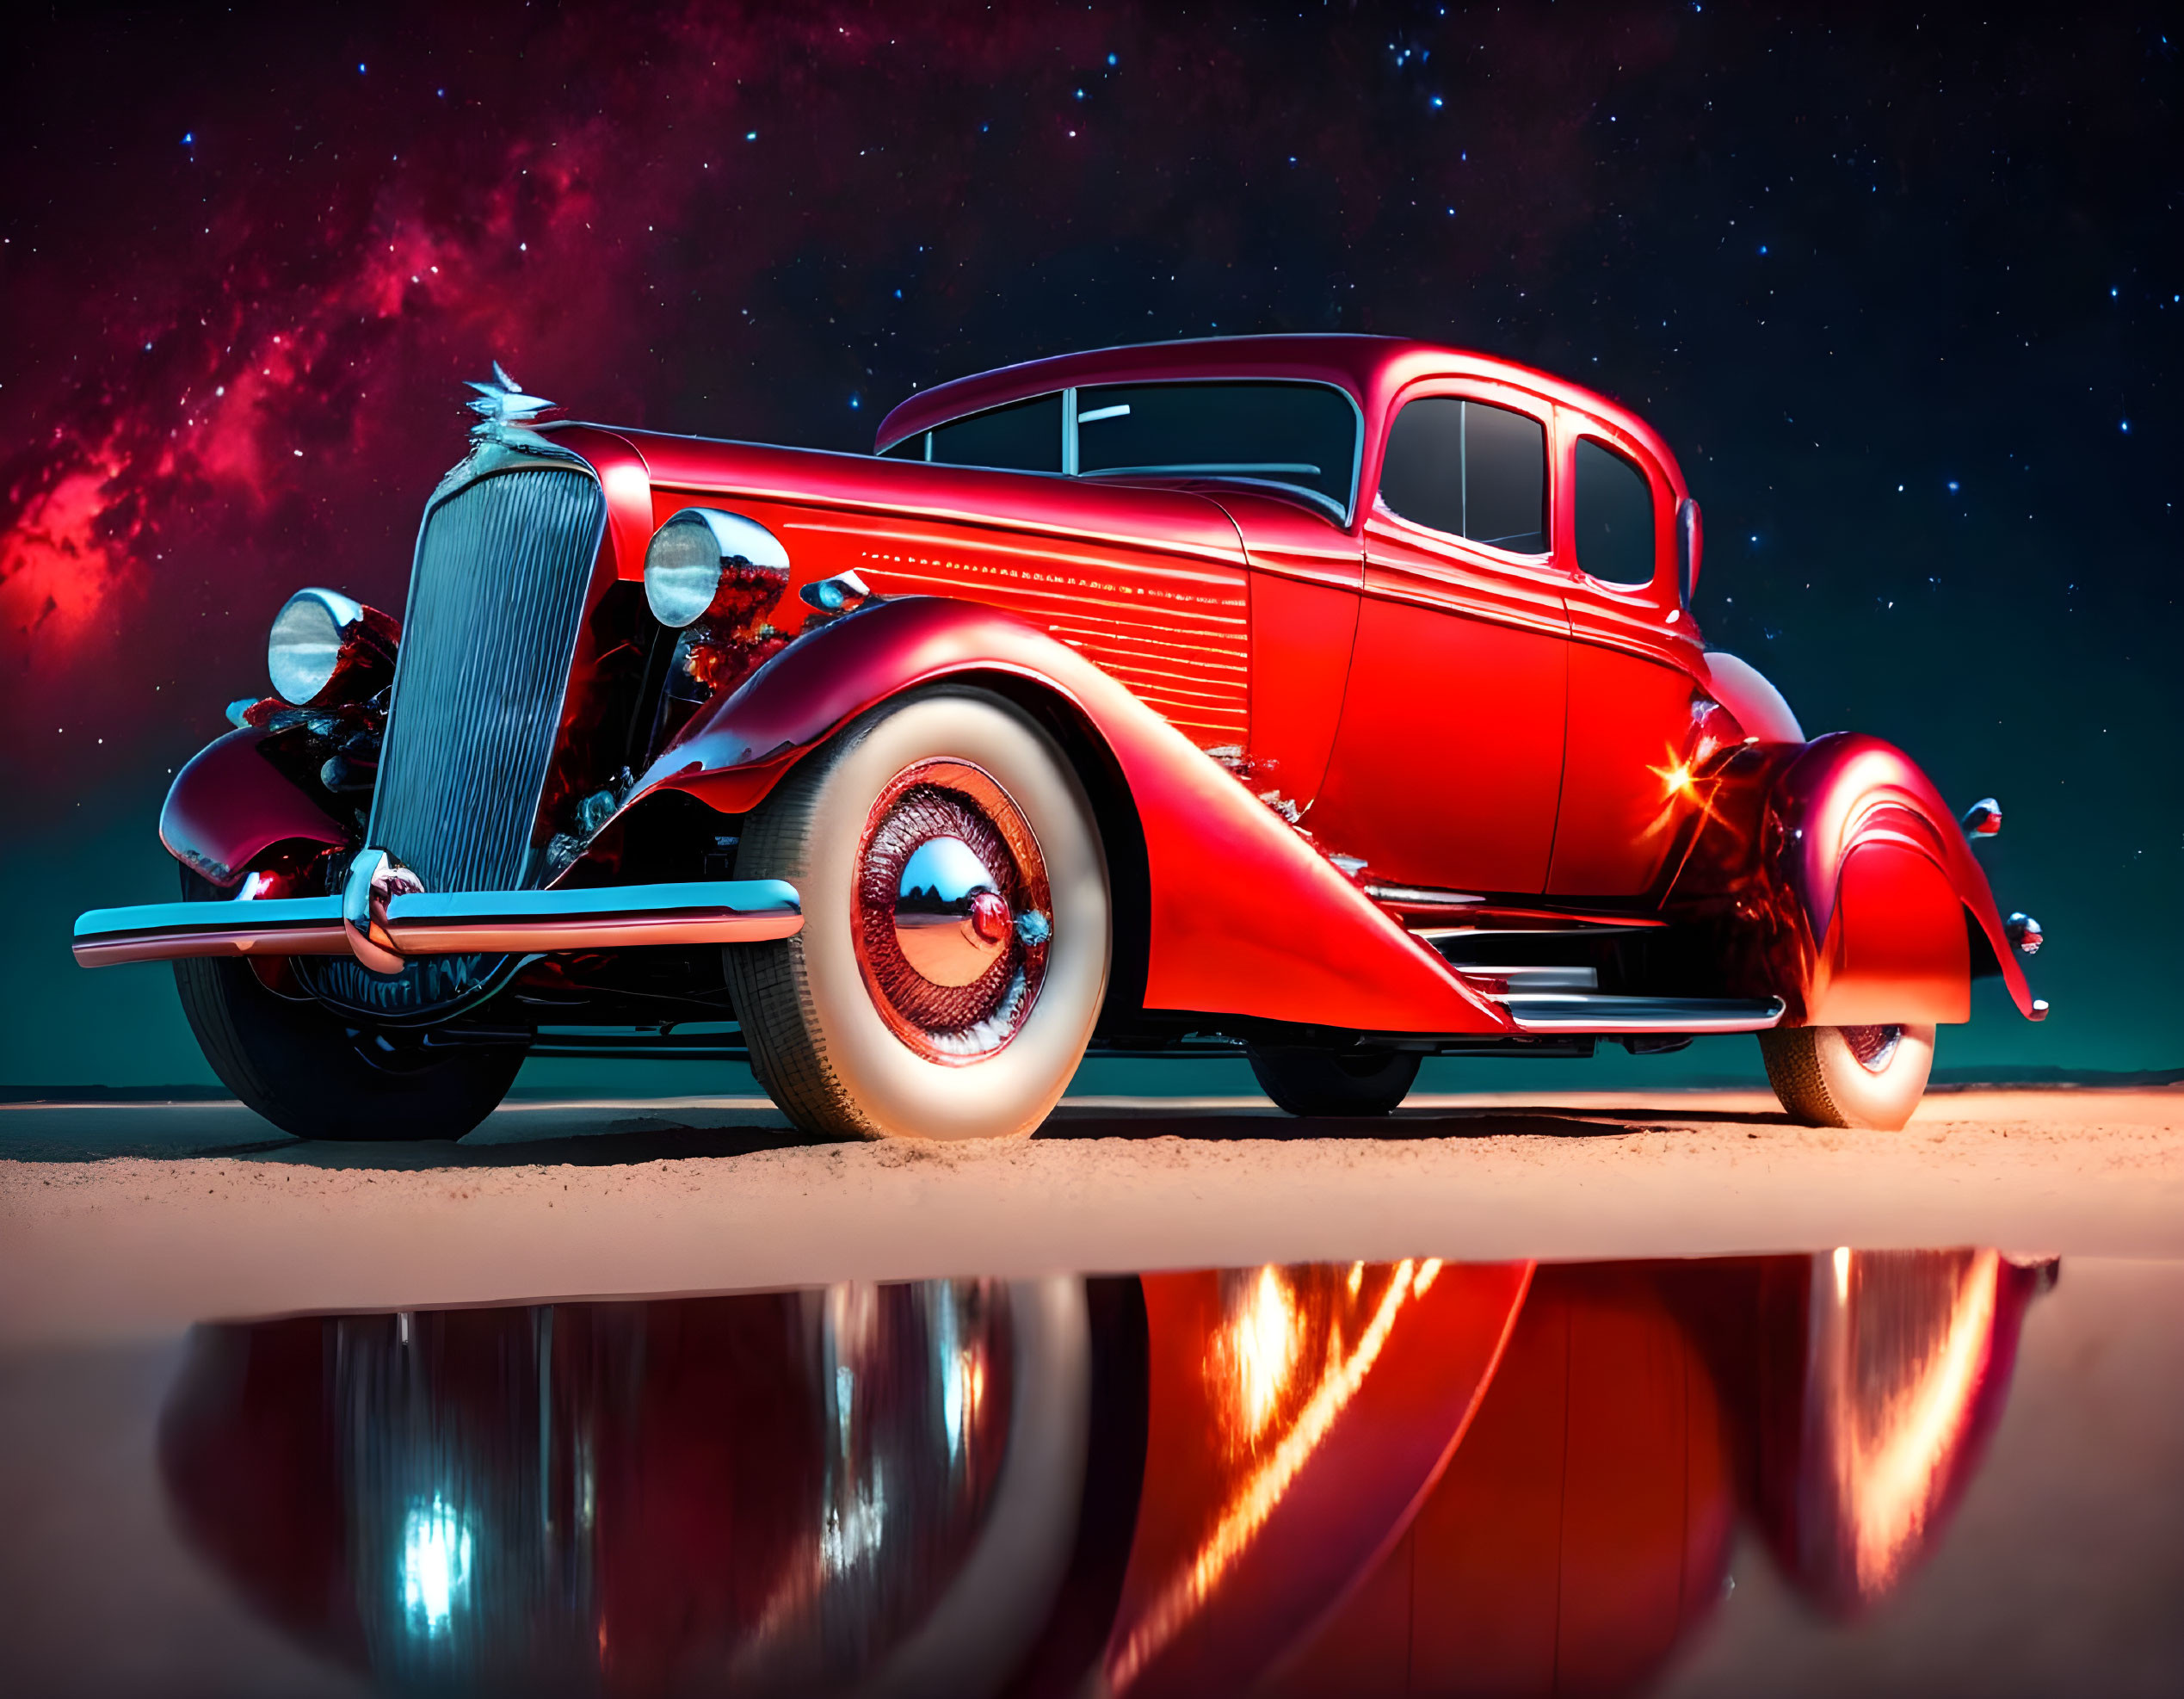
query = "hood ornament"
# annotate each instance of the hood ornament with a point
(505, 410)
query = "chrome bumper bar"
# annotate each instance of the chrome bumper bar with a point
(407, 923)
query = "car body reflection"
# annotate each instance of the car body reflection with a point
(1370, 1479)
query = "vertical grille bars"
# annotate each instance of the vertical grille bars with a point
(487, 641)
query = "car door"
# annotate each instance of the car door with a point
(1305, 574)
(1636, 714)
(1447, 760)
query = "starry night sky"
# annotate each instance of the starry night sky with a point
(1904, 293)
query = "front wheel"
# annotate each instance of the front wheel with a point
(298, 1065)
(1309, 1082)
(1866, 1076)
(955, 950)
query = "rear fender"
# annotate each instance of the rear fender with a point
(1243, 916)
(1890, 897)
(1749, 695)
(231, 804)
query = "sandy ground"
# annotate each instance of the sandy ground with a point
(121, 1221)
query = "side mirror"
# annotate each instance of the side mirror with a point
(1689, 536)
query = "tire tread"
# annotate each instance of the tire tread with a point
(1792, 1059)
(1820, 1082)
(770, 983)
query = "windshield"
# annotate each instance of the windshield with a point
(1300, 438)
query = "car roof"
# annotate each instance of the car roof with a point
(1371, 368)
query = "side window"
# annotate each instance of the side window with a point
(1471, 470)
(1024, 436)
(1614, 516)
(911, 447)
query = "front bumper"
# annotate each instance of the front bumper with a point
(404, 924)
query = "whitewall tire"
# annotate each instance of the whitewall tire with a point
(1869, 1077)
(956, 937)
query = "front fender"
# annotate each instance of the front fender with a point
(1245, 917)
(1875, 863)
(230, 805)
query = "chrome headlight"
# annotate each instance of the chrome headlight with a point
(689, 554)
(304, 650)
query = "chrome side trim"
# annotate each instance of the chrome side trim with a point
(1439, 937)
(410, 923)
(1524, 980)
(1592, 1012)
(1421, 894)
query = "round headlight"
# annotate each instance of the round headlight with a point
(681, 570)
(683, 565)
(305, 644)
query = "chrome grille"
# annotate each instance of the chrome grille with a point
(487, 639)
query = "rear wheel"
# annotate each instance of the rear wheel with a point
(1869, 1077)
(301, 1067)
(956, 925)
(1313, 1082)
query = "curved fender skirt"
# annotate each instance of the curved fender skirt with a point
(1247, 917)
(1896, 946)
(1885, 878)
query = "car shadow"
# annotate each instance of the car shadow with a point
(577, 1136)
(1501, 1121)
(620, 1145)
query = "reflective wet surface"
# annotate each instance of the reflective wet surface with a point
(1929, 1470)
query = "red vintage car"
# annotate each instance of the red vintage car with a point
(1337, 698)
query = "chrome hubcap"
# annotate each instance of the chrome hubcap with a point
(951, 924)
(953, 908)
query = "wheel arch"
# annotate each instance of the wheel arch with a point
(1896, 915)
(230, 806)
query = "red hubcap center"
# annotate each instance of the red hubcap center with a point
(990, 917)
(952, 929)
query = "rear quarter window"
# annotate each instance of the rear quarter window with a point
(1614, 516)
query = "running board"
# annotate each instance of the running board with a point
(1594, 1012)
(423, 922)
